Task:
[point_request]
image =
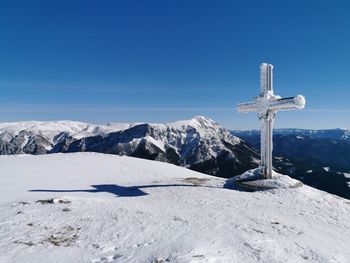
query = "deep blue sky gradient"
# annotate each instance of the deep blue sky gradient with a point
(159, 61)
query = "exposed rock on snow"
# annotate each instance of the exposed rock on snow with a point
(124, 209)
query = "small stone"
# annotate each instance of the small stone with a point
(62, 201)
(46, 201)
(68, 228)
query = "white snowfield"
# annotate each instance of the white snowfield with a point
(87, 207)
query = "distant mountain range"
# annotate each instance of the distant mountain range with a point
(40, 137)
(318, 158)
(329, 147)
(336, 134)
(199, 144)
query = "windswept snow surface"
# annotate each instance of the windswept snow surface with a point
(107, 208)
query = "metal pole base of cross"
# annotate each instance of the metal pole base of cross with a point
(265, 172)
(254, 180)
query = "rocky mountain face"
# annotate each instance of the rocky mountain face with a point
(319, 158)
(23, 142)
(199, 144)
(36, 137)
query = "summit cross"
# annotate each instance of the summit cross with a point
(266, 105)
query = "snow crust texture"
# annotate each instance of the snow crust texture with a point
(88, 207)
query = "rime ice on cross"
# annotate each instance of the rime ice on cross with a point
(266, 105)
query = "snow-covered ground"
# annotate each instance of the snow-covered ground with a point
(86, 207)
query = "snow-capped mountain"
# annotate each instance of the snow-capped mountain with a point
(39, 137)
(97, 208)
(199, 143)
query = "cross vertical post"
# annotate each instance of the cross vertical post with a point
(266, 122)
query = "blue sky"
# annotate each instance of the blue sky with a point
(159, 61)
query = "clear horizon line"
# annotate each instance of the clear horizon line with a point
(65, 107)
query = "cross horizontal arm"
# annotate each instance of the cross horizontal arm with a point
(297, 102)
(263, 104)
(248, 107)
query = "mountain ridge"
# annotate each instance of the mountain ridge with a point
(200, 143)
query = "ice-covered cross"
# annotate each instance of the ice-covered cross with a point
(266, 105)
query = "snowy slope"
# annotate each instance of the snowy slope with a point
(108, 208)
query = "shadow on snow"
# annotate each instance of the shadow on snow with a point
(126, 191)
